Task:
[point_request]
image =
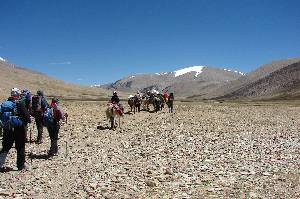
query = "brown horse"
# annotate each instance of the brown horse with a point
(154, 100)
(131, 104)
(145, 102)
(161, 101)
(134, 103)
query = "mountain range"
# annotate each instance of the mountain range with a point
(184, 82)
(278, 79)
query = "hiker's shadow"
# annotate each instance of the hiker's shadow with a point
(100, 127)
(128, 113)
(6, 169)
(39, 156)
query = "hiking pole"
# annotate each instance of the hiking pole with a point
(30, 146)
(66, 148)
(30, 134)
(66, 116)
(66, 141)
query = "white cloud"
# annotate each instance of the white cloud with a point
(79, 79)
(60, 63)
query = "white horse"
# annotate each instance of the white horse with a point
(112, 112)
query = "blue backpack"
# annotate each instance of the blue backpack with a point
(48, 117)
(8, 115)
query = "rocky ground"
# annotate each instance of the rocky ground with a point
(200, 151)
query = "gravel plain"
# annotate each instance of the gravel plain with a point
(202, 150)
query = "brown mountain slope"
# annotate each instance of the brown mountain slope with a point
(13, 76)
(260, 73)
(187, 84)
(283, 83)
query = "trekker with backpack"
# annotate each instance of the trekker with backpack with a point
(39, 105)
(14, 118)
(52, 117)
(26, 100)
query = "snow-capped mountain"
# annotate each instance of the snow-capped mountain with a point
(196, 69)
(2, 59)
(188, 81)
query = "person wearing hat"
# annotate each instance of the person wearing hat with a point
(14, 132)
(54, 126)
(115, 99)
(116, 103)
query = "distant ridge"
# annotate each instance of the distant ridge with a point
(276, 80)
(283, 83)
(20, 77)
(184, 82)
(273, 80)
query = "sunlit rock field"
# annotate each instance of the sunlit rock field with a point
(202, 150)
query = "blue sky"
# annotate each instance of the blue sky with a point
(97, 41)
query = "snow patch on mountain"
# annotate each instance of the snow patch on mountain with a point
(2, 59)
(197, 69)
(234, 71)
(163, 73)
(96, 86)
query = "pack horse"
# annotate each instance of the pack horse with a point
(135, 103)
(114, 111)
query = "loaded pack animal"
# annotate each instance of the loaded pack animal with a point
(161, 101)
(145, 102)
(135, 103)
(155, 101)
(114, 111)
(148, 99)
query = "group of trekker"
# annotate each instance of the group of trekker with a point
(15, 115)
(18, 110)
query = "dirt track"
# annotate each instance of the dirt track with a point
(202, 150)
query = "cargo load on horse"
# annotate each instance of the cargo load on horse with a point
(134, 102)
(112, 112)
(114, 109)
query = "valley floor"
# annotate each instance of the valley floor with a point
(202, 150)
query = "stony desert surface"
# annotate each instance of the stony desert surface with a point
(202, 150)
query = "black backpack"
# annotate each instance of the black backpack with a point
(36, 106)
